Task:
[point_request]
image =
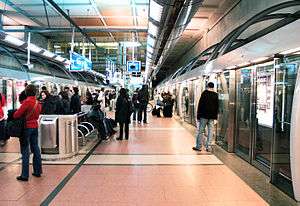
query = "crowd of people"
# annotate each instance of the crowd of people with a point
(69, 102)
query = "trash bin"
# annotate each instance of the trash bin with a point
(48, 131)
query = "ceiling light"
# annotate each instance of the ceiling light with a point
(13, 40)
(150, 49)
(131, 44)
(151, 41)
(152, 29)
(34, 48)
(261, 59)
(155, 10)
(291, 51)
(244, 64)
(230, 67)
(48, 54)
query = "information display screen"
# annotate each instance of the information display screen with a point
(133, 66)
(79, 63)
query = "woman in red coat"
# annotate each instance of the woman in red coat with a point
(30, 109)
(3, 137)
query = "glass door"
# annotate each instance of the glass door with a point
(223, 123)
(243, 113)
(263, 111)
(286, 75)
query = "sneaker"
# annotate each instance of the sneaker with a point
(20, 178)
(196, 149)
(36, 175)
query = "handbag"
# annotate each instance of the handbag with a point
(15, 127)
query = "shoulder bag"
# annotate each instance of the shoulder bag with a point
(15, 127)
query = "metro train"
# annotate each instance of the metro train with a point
(258, 83)
(44, 73)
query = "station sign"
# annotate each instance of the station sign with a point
(79, 63)
(133, 66)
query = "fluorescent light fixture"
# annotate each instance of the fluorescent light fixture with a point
(151, 41)
(230, 67)
(243, 64)
(57, 46)
(48, 54)
(13, 40)
(261, 59)
(34, 48)
(290, 51)
(150, 50)
(152, 29)
(131, 44)
(59, 58)
(155, 10)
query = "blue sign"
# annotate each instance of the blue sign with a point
(133, 66)
(80, 63)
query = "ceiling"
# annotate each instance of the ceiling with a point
(193, 32)
(102, 20)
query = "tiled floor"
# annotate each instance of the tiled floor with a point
(156, 166)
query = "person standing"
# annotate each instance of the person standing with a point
(65, 102)
(206, 114)
(143, 98)
(3, 138)
(48, 103)
(135, 103)
(75, 104)
(123, 113)
(30, 109)
(101, 99)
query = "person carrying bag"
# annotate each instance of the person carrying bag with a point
(31, 109)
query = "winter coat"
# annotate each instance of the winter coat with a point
(208, 106)
(123, 110)
(75, 104)
(26, 108)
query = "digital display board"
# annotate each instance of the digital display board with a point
(79, 63)
(133, 66)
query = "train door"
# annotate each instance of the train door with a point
(254, 114)
(185, 102)
(286, 75)
(198, 88)
(226, 117)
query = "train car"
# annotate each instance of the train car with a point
(257, 83)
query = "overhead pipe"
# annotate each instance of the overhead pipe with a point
(177, 16)
(187, 11)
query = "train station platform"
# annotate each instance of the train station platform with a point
(156, 166)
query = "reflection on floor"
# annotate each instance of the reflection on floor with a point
(156, 166)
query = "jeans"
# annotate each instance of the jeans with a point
(126, 130)
(142, 109)
(30, 139)
(201, 124)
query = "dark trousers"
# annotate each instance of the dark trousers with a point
(135, 112)
(2, 130)
(142, 109)
(30, 139)
(126, 130)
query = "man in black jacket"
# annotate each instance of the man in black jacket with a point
(206, 114)
(75, 104)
